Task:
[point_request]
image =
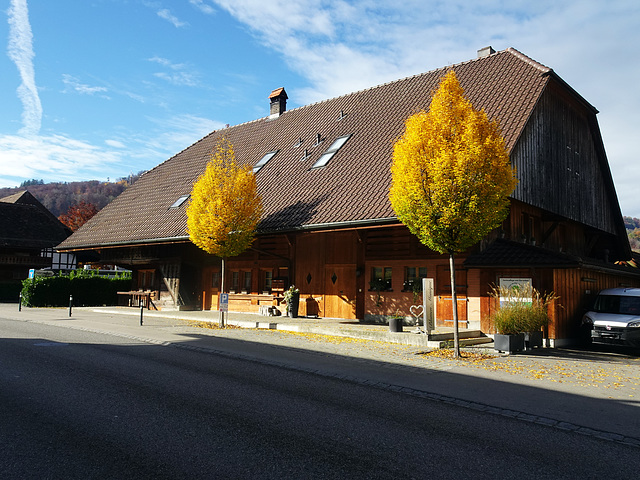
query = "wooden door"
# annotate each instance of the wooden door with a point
(210, 288)
(340, 291)
(444, 303)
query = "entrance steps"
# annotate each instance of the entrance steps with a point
(443, 339)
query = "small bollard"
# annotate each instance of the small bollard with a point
(20, 303)
(141, 312)
(70, 303)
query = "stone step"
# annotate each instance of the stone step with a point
(464, 342)
(443, 336)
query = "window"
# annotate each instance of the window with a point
(267, 280)
(333, 149)
(262, 162)
(413, 278)
(381, 278)
(215, 279)
(235, 281)
(246, 283)
(179, 201)
(146, 279)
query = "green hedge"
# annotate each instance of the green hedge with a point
(9, 292)
(87, 288)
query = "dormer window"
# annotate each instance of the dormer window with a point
(179, 201)
(333, 149)
(262, 162)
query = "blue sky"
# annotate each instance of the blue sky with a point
(98, 89)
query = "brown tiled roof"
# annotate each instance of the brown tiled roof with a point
(352, 188)
(24, 225)
(506, 253)
(277, 92)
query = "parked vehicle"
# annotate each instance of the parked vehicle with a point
(615, 317)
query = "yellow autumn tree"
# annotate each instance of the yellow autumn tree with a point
(451, 176)
(225, 207)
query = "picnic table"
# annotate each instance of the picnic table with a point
(138, 298)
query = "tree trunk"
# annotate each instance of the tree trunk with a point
(454, 302)
(221, 292)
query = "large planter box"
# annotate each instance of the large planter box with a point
(533, 340)
(508, 343)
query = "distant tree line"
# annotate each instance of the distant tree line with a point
(59, 197)
(633, 232)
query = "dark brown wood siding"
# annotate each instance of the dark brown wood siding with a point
(558, 165)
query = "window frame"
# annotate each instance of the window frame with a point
(264, 160)
(334, 148)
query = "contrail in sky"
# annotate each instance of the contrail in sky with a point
(20, 51)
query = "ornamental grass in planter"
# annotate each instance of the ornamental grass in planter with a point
(522, 313)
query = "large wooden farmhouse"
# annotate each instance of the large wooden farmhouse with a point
(328, 226)
(28, 234)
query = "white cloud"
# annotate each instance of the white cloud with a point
(167, 15)
(178, 132)
(73, 83)
(178, 78)
(55, 158)
(115, 143)
(167, 63)
(203, 7)
(20, 50)
(341, 46)
(178, 75)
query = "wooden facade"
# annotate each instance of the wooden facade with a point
(330, 230)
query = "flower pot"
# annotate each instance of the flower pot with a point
(395, 324)
(293, 305)
(533, 339)
(508, 343)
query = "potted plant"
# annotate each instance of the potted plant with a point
(292, 299)
(508, 322)
(395, 322)
(508, 338)
(537, 318)
(522, 312)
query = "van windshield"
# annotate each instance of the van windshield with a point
(620, 304)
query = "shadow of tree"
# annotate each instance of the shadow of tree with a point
(294, 215)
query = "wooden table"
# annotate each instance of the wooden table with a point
(139, 298)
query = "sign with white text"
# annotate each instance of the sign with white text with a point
(224, 302)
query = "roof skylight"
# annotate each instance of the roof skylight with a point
(333, 149)
(262, 162)
(179, 201)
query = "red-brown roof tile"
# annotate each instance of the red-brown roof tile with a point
(353, 187)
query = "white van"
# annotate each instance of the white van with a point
(615, 317)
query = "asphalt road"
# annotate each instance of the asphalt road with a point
(80, 404)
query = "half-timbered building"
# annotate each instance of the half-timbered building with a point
(328, 226)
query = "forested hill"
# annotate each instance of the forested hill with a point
(633, 232)
(58, 197)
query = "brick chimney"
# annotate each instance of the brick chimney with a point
(278, 102)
